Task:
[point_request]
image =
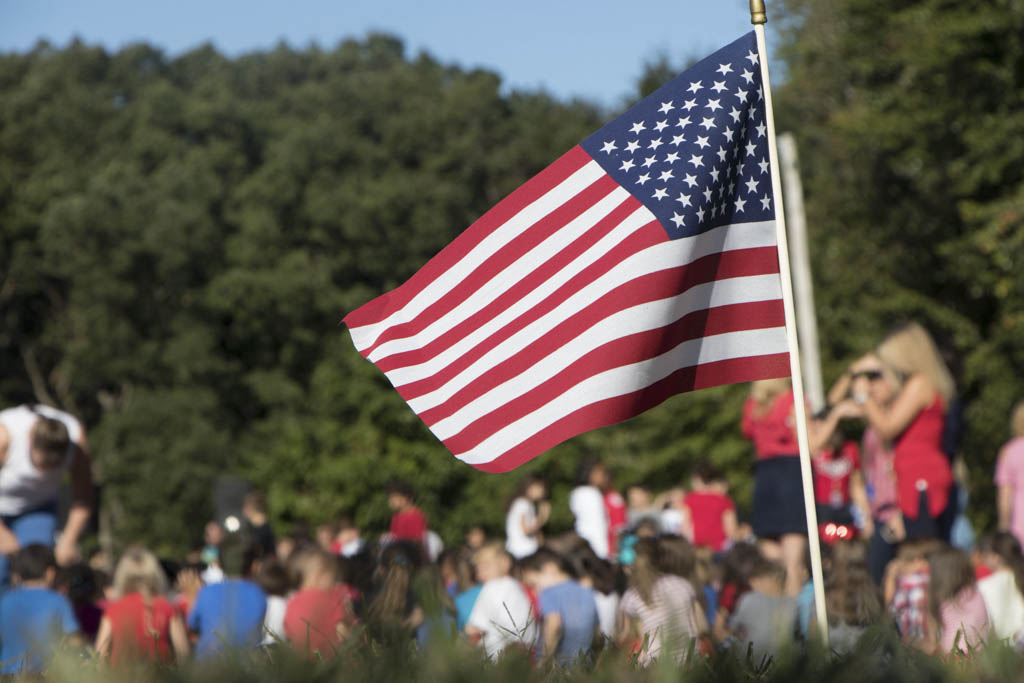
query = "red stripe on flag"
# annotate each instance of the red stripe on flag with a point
(627, 350)
(654, 286)
(504, 257)
(535, 188)
(620, 408)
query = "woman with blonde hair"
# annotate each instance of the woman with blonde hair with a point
(915, 422)
(141, 623)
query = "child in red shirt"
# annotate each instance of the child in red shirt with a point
(711, 511)
(315, 621)
(141, 623)
(408, 523)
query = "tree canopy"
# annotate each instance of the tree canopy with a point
(180, 237)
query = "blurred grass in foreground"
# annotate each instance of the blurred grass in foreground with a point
(878, 656)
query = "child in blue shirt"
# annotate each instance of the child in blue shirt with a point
(228, 615)
(33, 618)
(568, 611)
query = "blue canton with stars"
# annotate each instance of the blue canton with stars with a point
(696, 151)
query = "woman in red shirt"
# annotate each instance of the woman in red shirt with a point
(914, 421)
(141, 623)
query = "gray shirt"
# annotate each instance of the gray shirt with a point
(766, 621)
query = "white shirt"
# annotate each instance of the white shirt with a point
(23, 486)
(503, 612)
(273, 622)
(519, 544)
(587, 504)
(607, 608)
(1004, 604)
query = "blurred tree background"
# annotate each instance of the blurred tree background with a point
(180, 237)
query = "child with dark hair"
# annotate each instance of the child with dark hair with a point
(711, 511)
(434, 600)
(736, 568)
(955, 603)
(33, 618)
(408, 523)
(467, 588)
(273, 578)
(229, 614)
(765, 618)
(392, 611)
(78, 582)
(599, 576)
(568, 612)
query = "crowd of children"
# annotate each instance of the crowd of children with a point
(657, 594)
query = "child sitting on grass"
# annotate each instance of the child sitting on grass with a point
(229, 615)
(906, 590)
(315, 618)
(568, 611)
(765, 618)
(502, 616)
(955, 603)
(33, 617)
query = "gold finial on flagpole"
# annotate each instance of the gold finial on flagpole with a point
(757, 13)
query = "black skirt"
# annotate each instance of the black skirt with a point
(778, 498)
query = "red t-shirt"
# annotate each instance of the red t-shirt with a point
(311, 619)
(706, 510)
(615, 508)
(773, 433)
(832, 472)
(409, 524)
(140, 629)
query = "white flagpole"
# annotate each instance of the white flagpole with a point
(758, 18)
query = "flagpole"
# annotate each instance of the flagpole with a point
(758, 18)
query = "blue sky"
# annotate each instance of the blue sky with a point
(589, 48)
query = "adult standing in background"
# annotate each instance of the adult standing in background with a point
(779, 515)
(1010, 478)
(587, 504)
(37, 445)
(915, 422)
(527, 513)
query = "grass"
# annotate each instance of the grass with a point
(878, 656)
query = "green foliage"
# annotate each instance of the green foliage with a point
(878, 656)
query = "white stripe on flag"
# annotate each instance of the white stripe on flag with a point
(647, 316)
(625, 380)
(508, 277)
(669, 254)
(562, 193)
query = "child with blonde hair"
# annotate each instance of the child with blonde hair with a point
(502, 616)
(141, 623)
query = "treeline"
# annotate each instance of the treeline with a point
(179, 239)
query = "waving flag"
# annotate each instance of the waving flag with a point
(639, 265)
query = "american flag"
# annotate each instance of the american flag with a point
(639, 265)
